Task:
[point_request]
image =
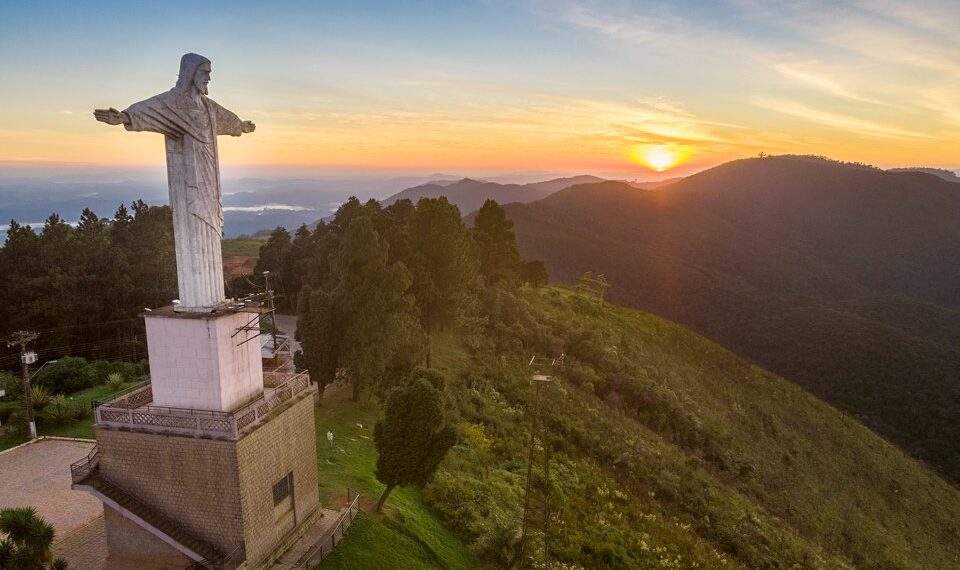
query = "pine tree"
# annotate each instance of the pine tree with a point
(317, 336)
(373, 311)
(412, 438)
(496, 244)
(444, 264)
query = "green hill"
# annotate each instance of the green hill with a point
(667, 451)
(834, 276)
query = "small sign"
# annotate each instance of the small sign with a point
(29, 357)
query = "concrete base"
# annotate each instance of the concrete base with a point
(200, 361)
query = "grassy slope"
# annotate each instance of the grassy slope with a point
(721, 464)
(409, 534)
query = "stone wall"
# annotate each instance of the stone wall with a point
(285, 443)
(190, 480)
(219, 490)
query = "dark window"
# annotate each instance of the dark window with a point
(283, 489)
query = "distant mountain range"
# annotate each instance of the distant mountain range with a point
(948, 175)
(839, 277)
(468, 194)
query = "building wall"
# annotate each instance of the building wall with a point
(133, 547)
(197, 363)
(285, 443)
(190, 480)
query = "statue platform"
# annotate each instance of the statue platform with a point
(204, 361)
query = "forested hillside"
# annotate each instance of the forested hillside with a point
(656, 447)
(835, 276)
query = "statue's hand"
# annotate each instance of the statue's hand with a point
(248, 126)
(111, 116)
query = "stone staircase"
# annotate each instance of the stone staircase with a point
(86, 477)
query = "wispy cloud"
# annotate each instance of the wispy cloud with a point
(838, 121)
(812, 74)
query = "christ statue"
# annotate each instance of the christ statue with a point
(190, 122)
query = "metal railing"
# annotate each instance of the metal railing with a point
(326, 545)
(133, 410)
(80, 470)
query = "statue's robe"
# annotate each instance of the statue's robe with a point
(190, 128)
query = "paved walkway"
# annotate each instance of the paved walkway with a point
(38, 475)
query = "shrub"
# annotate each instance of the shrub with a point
(58, 412)
(67, 375)
(40, 397)
(12, 385)
(115, 381)
(104, 369)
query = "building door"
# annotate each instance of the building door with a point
(284, 513)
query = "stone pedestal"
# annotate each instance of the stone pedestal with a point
(203, 361)
(204, 465)
(222, 493)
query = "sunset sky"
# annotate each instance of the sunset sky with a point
(495, 86)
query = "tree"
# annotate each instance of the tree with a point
(28, 541)
(412, 438)
(497, 244)
(444, 265)
(444, 261)
(273, 252)
(372, 310)
(317, 337)
(294, 266)
(534, 273)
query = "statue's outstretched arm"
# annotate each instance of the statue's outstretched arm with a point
(112, 117)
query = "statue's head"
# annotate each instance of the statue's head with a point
(194, 72)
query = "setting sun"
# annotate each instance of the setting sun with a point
(659, 157)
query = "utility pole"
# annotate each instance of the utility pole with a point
(21, 338)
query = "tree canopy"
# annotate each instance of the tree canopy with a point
(412, 438)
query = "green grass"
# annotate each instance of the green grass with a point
(82, 428)
(241, 246)
(408, 534)
(670, 451)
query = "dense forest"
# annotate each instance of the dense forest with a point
(82, 288)
(835, 276)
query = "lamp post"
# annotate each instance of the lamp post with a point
(538, 380)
